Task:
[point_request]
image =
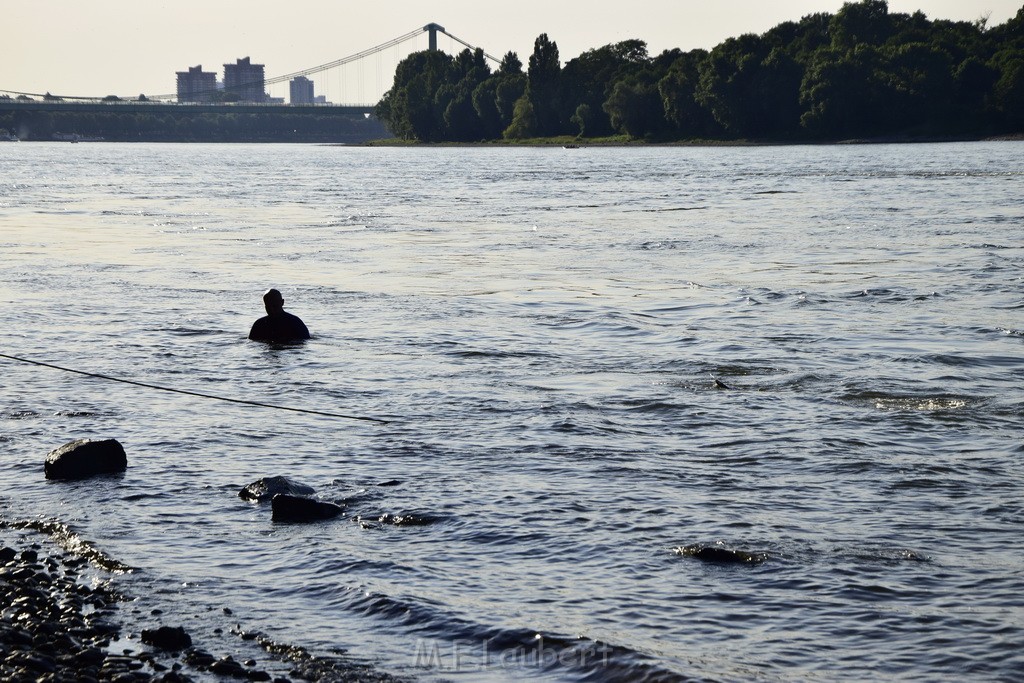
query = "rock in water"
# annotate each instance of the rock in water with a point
(719, 553)
(266, 488)
(287, 508)
(167, 638)
(85, 458)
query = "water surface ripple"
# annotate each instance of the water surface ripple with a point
(591, 358)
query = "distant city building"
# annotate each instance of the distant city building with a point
(245, 80)
(196, 85)
(320, 99)
(301, 91)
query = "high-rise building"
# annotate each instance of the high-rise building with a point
(301, 91)
(245, 80)
(196, 85)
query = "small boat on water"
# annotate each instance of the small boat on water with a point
(8, 137)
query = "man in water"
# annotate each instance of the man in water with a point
(277, 325)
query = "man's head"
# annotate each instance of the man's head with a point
(273, 301)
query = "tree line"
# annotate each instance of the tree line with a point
(862, 72)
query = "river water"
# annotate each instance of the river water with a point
(544, 329)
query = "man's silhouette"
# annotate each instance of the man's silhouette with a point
(277, 325)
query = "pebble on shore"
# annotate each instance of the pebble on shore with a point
(58, 624)
(55, 627)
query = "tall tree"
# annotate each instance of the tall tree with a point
(635, 108)
(678, 96)
(544, 77)
(524, 120)
(590, 78)
(753, 91)
(510, 64)
(410, 109)
(861, 23)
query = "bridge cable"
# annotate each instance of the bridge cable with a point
(471, 47)
(394, 42)
(193, 393)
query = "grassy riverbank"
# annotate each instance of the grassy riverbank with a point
(627, 141)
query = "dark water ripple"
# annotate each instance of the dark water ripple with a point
(590, 361)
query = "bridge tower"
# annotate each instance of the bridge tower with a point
(432, 29)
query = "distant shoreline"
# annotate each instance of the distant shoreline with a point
(581, 144)
(572, 144)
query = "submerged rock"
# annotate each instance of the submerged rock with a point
(719, 553)
(288, 508)
(85, 458)
(400, 520)
(167, 638)
(262, 490)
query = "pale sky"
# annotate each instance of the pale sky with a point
(127, 47)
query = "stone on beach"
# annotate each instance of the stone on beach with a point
(55, 625)
(287, 508)
(266, 488)
(85, 458)
(167, 638)
(60, 624)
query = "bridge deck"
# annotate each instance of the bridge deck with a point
(161, 108)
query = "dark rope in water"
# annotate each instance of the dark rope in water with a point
(193, 393)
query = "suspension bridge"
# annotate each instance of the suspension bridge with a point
(352, 84)
(349, 76)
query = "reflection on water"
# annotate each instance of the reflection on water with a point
(589, 360)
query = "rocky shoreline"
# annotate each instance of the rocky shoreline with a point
(61, 620)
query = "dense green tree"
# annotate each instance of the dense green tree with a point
(471, 68)
(485, 104)
(841, 95)
(506, 93)
(1008, 94)
(495, 98)
(860, 72)
(545, 66)
(677, 88)
(511, 65)
(751, 89)
(461, 118)
(920, 86)
(524, 120)
(544, 74)
(635, 108)
(584, 119)
(410, 109)
(973, 81)
(590, 79)
(861, 23)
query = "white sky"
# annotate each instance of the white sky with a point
(127, 47)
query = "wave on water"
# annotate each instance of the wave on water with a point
(897, 402)
(893, 296)
(452, 644)
(70, 541)
(673, 208)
